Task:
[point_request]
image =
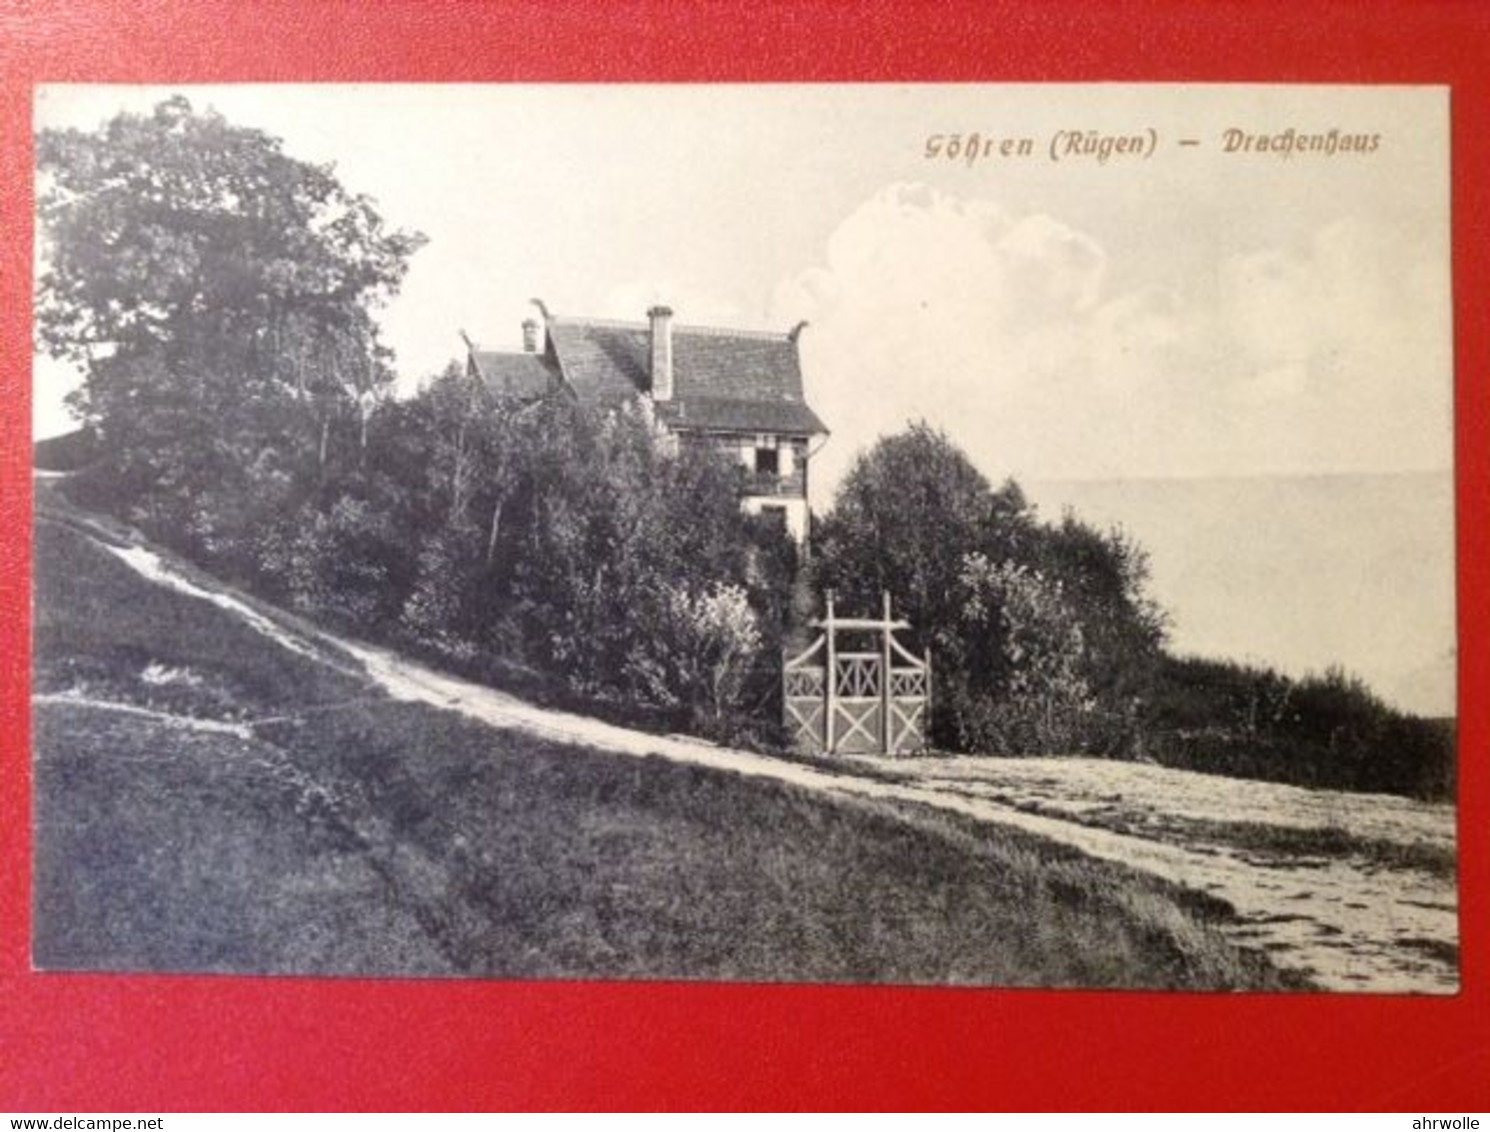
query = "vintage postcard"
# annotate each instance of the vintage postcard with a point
(973, 535)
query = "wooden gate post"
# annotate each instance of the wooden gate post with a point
(926, 711)
(830, 689)
(812, 696)
(885, 667)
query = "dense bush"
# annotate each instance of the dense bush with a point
(583, 544)
(1036, 696)
(699, 654)
(1046, 640)
(1041, 633)
(1325, 730)
(591, 545)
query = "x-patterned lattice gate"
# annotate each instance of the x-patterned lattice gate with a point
(857, 703)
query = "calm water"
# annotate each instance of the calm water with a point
(1298, 572)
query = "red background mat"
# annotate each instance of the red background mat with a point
(111, 1043)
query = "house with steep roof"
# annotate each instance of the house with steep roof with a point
(738, 391)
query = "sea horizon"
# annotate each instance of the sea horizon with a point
(1297, 572)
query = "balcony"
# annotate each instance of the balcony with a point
(773, 485)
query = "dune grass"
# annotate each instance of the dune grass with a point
(344, 833)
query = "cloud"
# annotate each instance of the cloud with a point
(1350, 291)
(1007, 331)
(987, 323)
(1127, 334)
(1341, 346)
(1054, 269)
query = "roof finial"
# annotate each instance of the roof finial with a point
(796, 330)
(542, 309)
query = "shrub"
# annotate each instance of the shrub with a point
(1323, 731)
(700, 653)
(1043, 634)
(1022, 636)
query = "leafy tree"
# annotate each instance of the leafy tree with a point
(618, 519)
(219, 296)
(478, 455)
(1044, 635)
(903, 520)
(1103, 576)
(589, 545)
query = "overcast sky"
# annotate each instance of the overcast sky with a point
(1187, 313)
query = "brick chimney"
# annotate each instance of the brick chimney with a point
(530, 335)
(661, 320)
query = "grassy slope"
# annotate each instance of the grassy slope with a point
(366, 836)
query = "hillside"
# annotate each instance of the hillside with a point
(221, 789)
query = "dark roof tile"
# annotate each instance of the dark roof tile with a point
(721, 414)
(736, 380)
(605, 364)
(516, 375)
(725, 380)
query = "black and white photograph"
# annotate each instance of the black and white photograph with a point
(950, 535)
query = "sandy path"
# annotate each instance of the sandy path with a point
(183, 722)
(1348, 924)
(1341, 922)
(152, 566)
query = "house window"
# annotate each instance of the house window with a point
(774, 515)
(767, 462)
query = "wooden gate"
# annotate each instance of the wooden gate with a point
(876, 702)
